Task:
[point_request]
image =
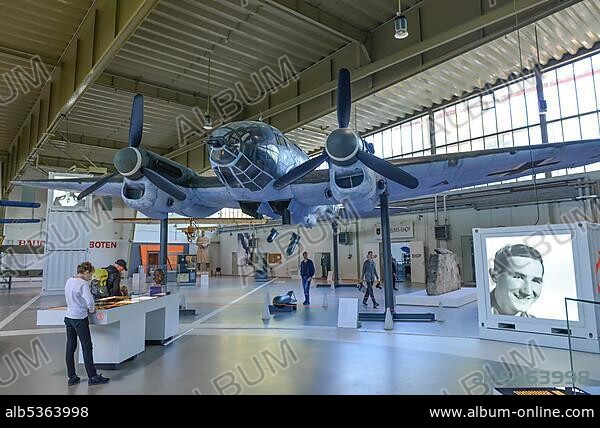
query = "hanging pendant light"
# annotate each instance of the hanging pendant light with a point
(400, 23)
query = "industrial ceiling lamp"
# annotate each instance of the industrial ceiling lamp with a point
(400, 23)
(207, 118)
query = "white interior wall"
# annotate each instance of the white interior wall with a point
(103, 229)
(318, 239)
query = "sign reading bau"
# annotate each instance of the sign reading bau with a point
(403, 229)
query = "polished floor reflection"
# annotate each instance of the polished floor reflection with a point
(228, 349)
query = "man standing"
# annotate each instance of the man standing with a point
(369, 274)
(114, 277)
(394, 273)
(80, 302)
(307, 271)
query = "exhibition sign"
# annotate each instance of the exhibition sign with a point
(401, 230)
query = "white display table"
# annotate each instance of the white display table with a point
(121, 333)
(453, 299)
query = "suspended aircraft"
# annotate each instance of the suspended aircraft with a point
(258, 169)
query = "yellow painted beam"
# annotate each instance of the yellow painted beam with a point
(103, 31)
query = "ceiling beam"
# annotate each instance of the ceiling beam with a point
(103, 31)
(151, 90)
(306, 11)
(88, 142)
(15, 54)
(53, 163)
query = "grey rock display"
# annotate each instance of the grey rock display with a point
(443, 274)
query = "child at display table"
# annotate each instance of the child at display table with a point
(159, 278)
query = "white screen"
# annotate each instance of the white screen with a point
(557, 280)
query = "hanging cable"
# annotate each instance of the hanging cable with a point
(535, 189)
(207, 118)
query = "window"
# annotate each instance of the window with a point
(387, 143)
(506, 116)
(584, 82)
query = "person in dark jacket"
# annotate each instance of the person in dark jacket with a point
(307, 271)
(113, 283)
(369, 274)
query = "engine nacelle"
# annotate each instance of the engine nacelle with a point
(148, 199)
(354, 183)
(145, 197)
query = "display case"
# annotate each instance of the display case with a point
(186, 270)
(122, 326)
(524, 275)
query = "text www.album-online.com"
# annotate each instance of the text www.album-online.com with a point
(535, 412)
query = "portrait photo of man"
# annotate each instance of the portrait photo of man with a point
(518, 275)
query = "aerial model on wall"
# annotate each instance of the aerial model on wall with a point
(259, 170)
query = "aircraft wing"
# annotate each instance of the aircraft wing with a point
(440, 173)
(204, 190)
(112, 188)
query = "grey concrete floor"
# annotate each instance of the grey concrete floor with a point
(227, 348)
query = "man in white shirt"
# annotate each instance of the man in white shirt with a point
(80, 302)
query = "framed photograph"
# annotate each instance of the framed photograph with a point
(531, 277)
(525, 273)
(275, 258)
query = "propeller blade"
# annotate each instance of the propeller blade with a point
(388, 170)
(344, 98)
(300, 171)
(163, 184)
(136, 124)
(98, 184)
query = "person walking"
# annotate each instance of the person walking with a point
(80, 302)
(369, 274)
(307, 271)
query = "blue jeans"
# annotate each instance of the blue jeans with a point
(306, 287)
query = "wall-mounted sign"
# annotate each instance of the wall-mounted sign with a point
(403, 229)
(32, 242)
(103, 244)
(93, 244)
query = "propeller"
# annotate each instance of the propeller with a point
(136, 123)
(344, 147)
(163, 184)
(98, 184)
(132, 162)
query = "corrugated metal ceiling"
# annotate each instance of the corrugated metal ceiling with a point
(173, 45)
(104, 112)
(564, 32)
(29, 28)
(171, 48)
